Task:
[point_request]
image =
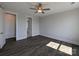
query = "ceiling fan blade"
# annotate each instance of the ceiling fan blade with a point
(33, 8)
(43, 12)
(72, 2)
(46, 9)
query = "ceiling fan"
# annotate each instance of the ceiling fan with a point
(40, 9)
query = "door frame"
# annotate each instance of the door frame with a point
(15, 14)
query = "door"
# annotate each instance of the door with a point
(2, 38)
(29, 29)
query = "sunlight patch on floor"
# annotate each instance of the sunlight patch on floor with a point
(66, 49)
(53, 45)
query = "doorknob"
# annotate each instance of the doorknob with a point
(1, 32)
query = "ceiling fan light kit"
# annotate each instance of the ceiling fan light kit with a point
(39, 8)
(39, 11)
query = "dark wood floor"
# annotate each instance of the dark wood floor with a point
(35, 46)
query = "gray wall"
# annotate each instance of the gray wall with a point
(62, 26)
(35, 26)
(21, 26)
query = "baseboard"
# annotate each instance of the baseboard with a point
(27, 37)
(11, 38)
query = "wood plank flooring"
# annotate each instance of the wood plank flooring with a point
(35, 46)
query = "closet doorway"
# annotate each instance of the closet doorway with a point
(29, 27)
(10, 26)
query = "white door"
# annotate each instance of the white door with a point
(2, 38)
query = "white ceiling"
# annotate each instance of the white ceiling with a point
(23, 7)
